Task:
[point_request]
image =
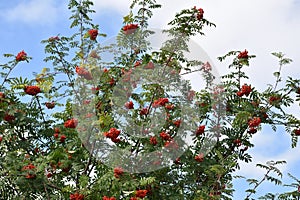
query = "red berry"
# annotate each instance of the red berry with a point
(1, 138)
(32, 90)
(130, 28)
(129, 105)
(113, 133)
(297, 132)
(165, 136)
(50, 105)
(108, 198)
(76, 196)
(49, 175)
(252, 130)
(2, 95)
(246, 89)
(9, 118)
(199, 157)
(239, 94)
(84, 73)
(177, 123)
(144, 111)
(153, 140)
(62, 138)
(177, 161)
(71, 123)
(141, 193)
(169, 106)
(21, 56)
(93, 33)
(255, 121)
(53, 38)
(160, 102)
(200, 130)
(274, 99)
(199, 14)
(66, 169)
(237, 142)
(243, 55)
(118, 171)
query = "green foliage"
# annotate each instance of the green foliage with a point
(42, 157)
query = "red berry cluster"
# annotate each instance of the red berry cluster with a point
(243, 55)
(21, 56)
(200, 130)
(144, 111)
(76, 196)
(56, 134)
(129, 105)
(63, 138)
(2, 96)
(84, 73)
(160, 102)
(169, 106)
(137, 63)
(93, 34)
(71, 123)
(108, 198)
(237, 142)
(274, 99)
(297, 132)
(53, 38)
(253, 123)
(95, 89)
(200, 13)
(199, 157)
(112, 81)
(177, 161)
(113, 133)
(32, 90)
(50, 105)
(141, 193)
(29, 168)
(9, 118)
(118, 171)
(153, 140)
(177, 123)
(130, 28)
(245, 90)
(165, 136)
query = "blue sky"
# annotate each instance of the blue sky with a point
(259, 26)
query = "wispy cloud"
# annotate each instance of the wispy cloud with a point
(33, 12)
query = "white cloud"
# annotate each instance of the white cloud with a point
(262, 27)
(121, 6)
(34, 12)
(269, 146)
